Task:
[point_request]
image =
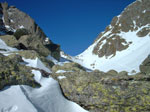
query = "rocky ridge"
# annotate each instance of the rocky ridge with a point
(27, 32)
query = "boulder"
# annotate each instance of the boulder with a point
(33, 42)
(71, 66)
(10, 40)
(112, 72)
(123, 73)
(101, 92)
(13, 73)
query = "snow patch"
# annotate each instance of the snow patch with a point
(14, 100)
(62, 71)
(61, 77)
(47, 39)
(36, 63)
(37, 75)
(10, 28)
(12, 21)
(134, 24)
(118, 19)
(7, 26)
(143, 11)
(21, 27)
(10, 109)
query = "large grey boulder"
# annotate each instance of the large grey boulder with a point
(101, 92)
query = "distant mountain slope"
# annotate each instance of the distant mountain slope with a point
(125, 42)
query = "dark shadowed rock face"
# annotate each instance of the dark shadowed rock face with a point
(136, 15)
(14, 21)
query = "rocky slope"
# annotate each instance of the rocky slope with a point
(27, 33)
(124, 44)
(22, 39)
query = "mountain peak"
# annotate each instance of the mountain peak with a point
(127, 33)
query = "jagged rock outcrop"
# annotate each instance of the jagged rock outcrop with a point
(14, 21)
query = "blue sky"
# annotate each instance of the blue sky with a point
(74, 24)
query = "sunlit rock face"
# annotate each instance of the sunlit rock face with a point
(133, 17)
